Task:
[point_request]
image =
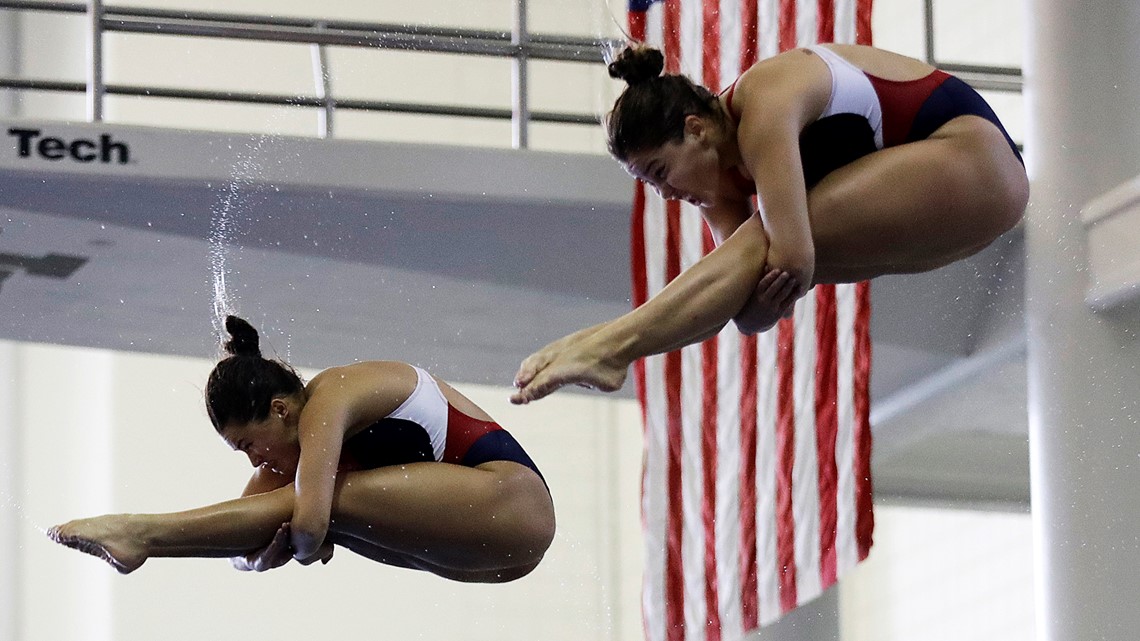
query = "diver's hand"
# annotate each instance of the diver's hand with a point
(774, 298)
(274, 555)
(582, 358)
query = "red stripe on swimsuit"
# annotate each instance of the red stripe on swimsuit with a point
(462, 432)
(901, 101)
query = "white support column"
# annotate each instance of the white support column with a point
(1083, 93)
(9, 495)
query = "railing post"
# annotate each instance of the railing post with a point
(323, 82)
(520, 109)
(95, 86)
(10, 60)
(928, 27)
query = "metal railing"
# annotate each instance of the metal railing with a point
(980, 77)
(519, 45)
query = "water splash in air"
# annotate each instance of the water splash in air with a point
(234, 202)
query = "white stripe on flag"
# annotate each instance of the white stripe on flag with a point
(845, 23)
(692, 40)
(727, 484)
(807, 22)
(846, 550)
(655, 242)
(654, 505)
(768, 579)
(805, 474)
(731, 40)
(654, 28)
(692, 461)
(769, 27)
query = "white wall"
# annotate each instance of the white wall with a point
(111, 432)
(942, 575)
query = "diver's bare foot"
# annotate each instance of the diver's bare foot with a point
(578, 359)
(105, 537)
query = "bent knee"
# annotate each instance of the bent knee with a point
(525, 503)
(536, 525)
(996, 175)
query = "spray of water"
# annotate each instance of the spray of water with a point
(234, 202)
(11, 503)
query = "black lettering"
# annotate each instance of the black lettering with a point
(105, 150)
(83, 150)
(51, 148)
(24, 140)
(120, 148)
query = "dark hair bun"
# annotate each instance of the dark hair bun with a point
(245, 341)
(637, 63)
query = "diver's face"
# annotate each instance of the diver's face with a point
(271, 442)
(685, 170)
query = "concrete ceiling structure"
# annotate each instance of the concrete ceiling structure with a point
(461, 259)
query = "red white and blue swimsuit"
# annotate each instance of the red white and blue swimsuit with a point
(867, 113)
(426, 428)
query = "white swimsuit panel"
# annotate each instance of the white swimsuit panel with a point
(851, 92)
(426, 407)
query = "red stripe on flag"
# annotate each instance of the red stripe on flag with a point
(671, 25)
(710, 61)
(674, 570)
(749, 569)
(709, 459)
(708, 507)
(637, 25)
(637, 269)
(749, 26)
(785, 462)
(826, 21)
(863, 22)
(639, 274)
(787, 24)
(827, 427)
(864, 510)
(865, 514)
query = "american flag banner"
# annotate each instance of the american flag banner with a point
(756, 489)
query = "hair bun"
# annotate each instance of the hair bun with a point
(637, 63)
(244, 341)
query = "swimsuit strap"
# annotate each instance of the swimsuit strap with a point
(727, 93)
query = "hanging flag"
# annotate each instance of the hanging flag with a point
(756, 489)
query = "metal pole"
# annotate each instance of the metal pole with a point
(520, 109)
(11, 59)
(928, 19)
(323, 83)
(95, 88)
